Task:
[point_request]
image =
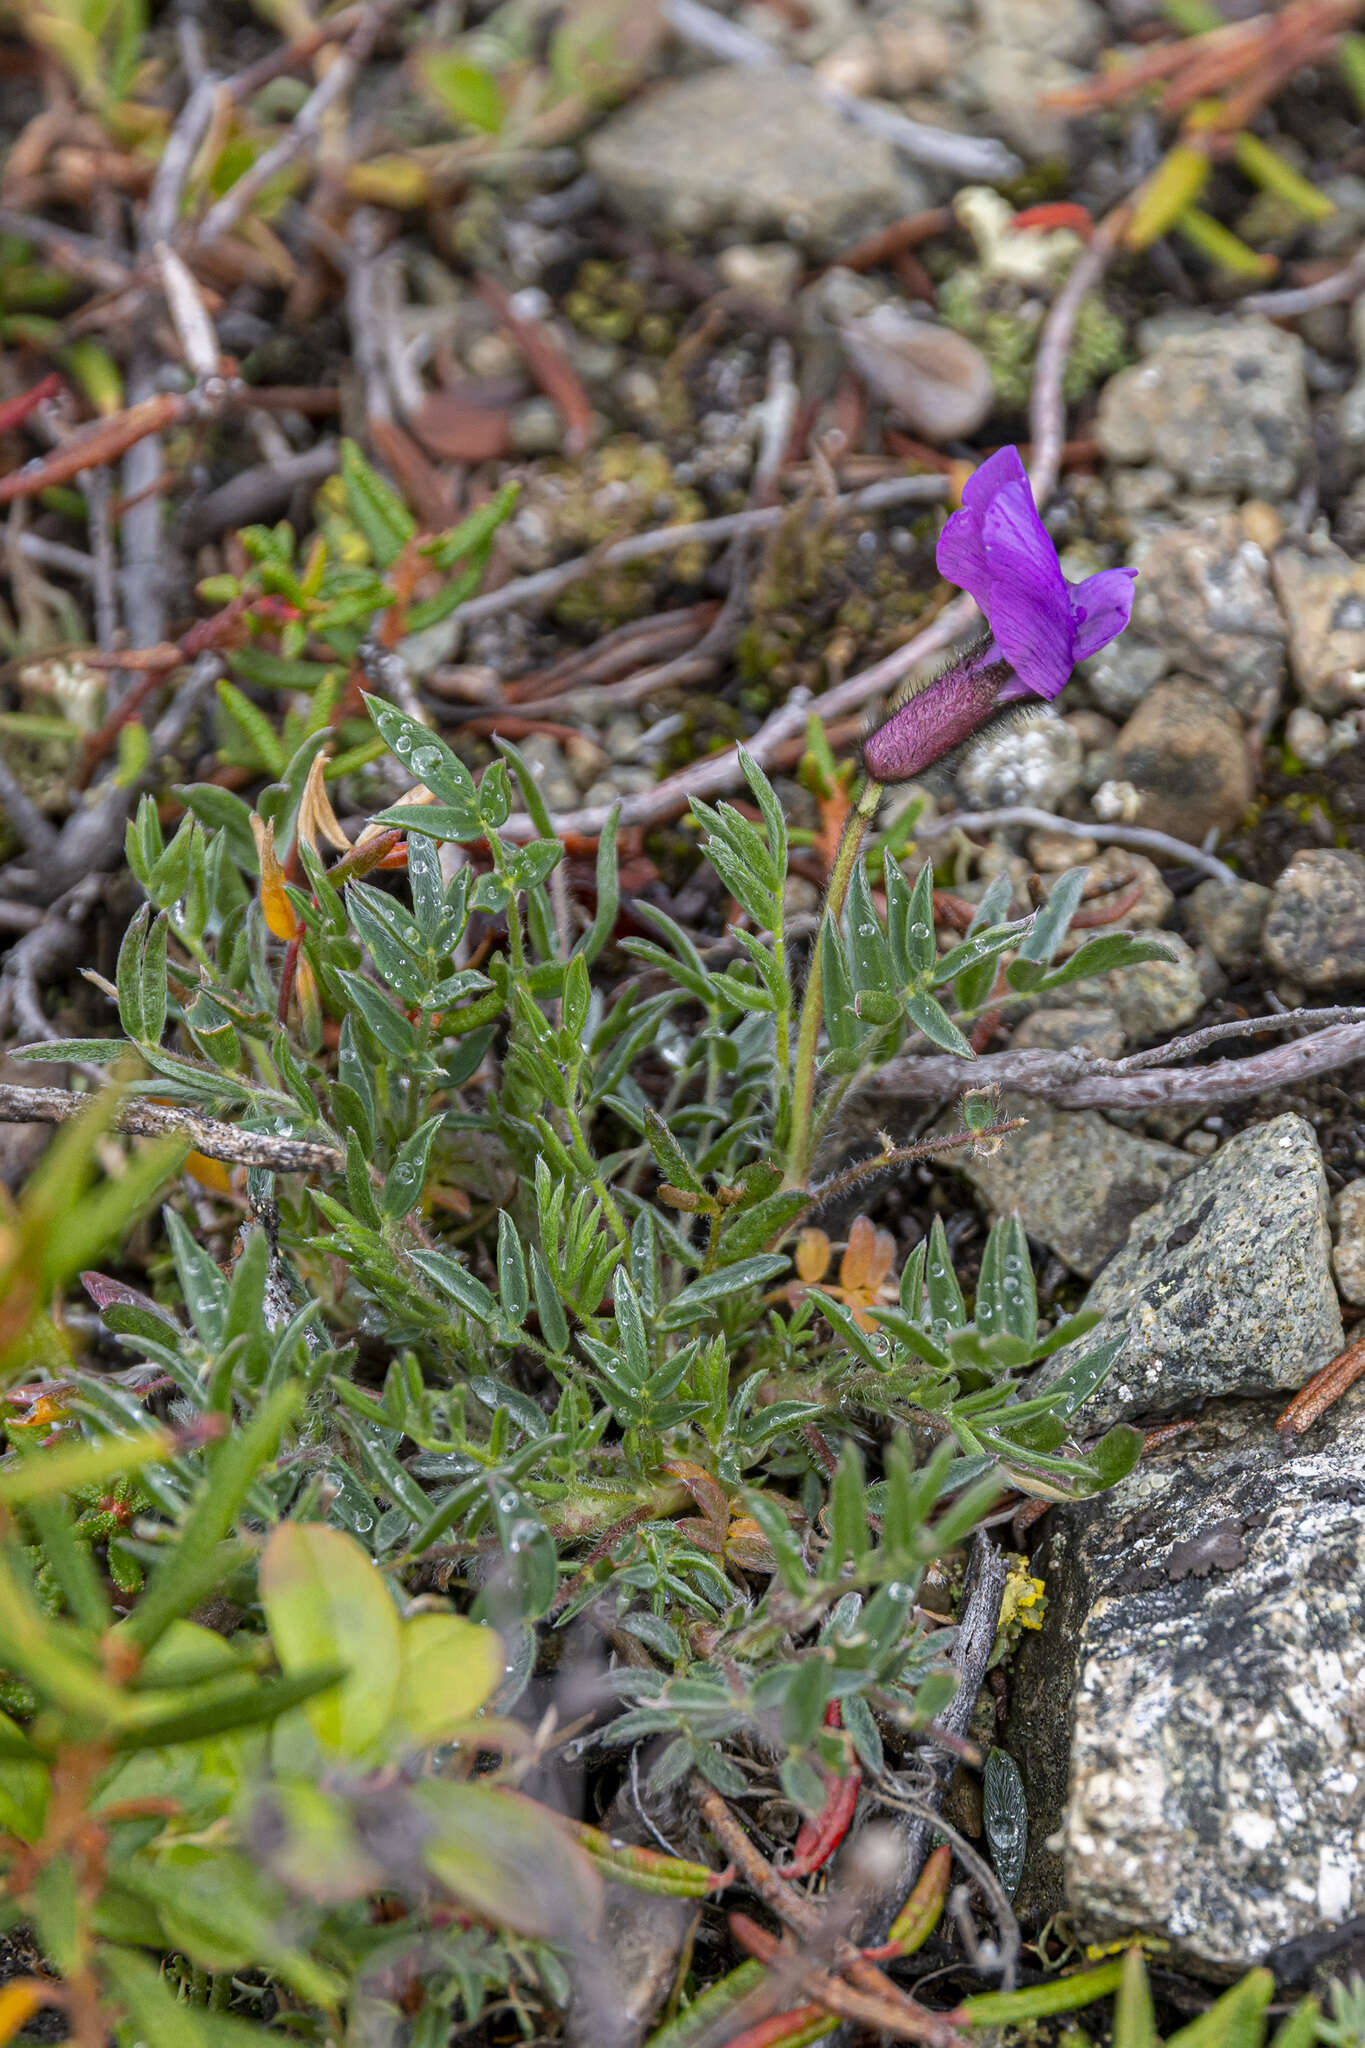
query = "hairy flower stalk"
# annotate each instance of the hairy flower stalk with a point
(998, 550)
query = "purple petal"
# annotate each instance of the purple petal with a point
(1030, 601)
(1100, 609)
(961, 554)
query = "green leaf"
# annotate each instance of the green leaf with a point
(327, 1603)
(432, 763)
(1236, 2020)
(187, 1575)
(701, 1297)
(467, 91)
(1134, 2013)
(449, 1667)
(933, 1020)
(382, 517)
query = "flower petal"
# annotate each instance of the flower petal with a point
(1100, 608)
(1030, 601)
(961, 554)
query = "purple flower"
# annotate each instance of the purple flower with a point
(998, 549)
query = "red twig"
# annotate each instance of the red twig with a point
(15, 411)
(1323, 1390)
(551, 369)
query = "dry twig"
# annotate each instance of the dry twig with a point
(206, 1134)
(1075, 1079)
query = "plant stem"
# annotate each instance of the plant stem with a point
(812, 1003)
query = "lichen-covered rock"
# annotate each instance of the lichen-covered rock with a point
(1076, 1180)
(1226, 408)
(1323, 594)
(1224, 1286)
(1156, 997)
(1348, 1249)
(1120, 676)
(1204, 598)
(1315, 928)
(1183, 752)
(1228, 917)
(757, 149)
(1096, 1027)
(1203, 1653)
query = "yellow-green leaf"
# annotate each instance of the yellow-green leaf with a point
(326, 1603)
(449, 1667)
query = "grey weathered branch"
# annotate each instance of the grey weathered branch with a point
(205, 1134)
(1076, 1079)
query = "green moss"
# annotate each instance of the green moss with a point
(1005, 319)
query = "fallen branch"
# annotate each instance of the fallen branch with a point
(1076, 1079)
(967, 156)
(1142, 837)
(1346, 283)
(205, 1134)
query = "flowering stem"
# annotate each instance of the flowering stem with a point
(800, 1144)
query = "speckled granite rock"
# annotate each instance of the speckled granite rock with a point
(758, 149)
(1204, 599)
(1076, 1180)
(1315, 928)
(1348, 1249)
(1323, 594)
(1225, 408)
(1158, 997)
(1191, 1720)
(1224, 1286)
(1229, 918)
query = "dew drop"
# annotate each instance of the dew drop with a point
(919, 931)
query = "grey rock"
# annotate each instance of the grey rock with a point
(1183, 752)
(1014, 84)
(1315, 928)
(1323, 594)
(1204, 599)
(1308, 736)
(1120, 865)
(1038, 762)
(1070, 29)
(1121, 676)
(545, 759)
(1096, 1027)
(1224, 1286)
(1075, 1179)
(764, 270)
(1348, 1248)
(1157, 997)
(1228, 917)
(757, 149)
(1190, 1722)
(1226, 408)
